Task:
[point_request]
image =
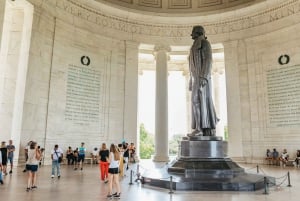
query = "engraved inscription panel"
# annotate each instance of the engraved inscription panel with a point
(83, 94)
(283, 92)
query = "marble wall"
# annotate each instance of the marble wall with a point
(75, 86)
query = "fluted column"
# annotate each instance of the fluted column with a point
(2, 9)
(218, 100)
(234, 105)
(131, 93)
(161, 105)
(186, 74)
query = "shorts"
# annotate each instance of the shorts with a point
(4, 160)
(81, 158)
(32, 168)
(113, 170)
(11, 159)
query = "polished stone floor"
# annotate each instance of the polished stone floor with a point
(86, 185)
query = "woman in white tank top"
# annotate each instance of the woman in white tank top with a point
(113, 172)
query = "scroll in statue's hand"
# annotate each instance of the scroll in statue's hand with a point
(203, 82)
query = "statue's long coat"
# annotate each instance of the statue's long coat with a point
(203, 111)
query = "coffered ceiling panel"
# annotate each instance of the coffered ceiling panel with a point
(181, 6)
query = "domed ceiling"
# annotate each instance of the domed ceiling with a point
(181, 6)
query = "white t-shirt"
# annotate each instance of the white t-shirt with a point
(95, 153)
(58, 153)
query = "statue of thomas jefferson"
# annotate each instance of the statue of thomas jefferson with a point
(204, 117)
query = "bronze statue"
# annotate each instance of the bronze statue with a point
(204, 117)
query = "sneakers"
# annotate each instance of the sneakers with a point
(28, 189)
(52, 176)
(109, 196)
(33, 187)
(116, 195)
(58, 176)
(1, 182)
(10, 172)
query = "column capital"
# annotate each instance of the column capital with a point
(186, 73)
(162, 47)
(132, 44)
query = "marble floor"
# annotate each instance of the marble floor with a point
(86, 185)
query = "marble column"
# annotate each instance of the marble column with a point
(186, 74)
(131, 93)
(17, 34)
(217, 91)
(2, 13)
(161, 105)
(234, 113)
(3, 47)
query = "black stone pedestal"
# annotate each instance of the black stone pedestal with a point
(203, 164)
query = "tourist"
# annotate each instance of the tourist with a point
(32, 164)
(10, 148)
(95, 156)
(81, 155)
(104, 155)
(56, 156)
(69, 156)
(3, 150)
(284, 158)
(113, 172)
(297, 158)
(75, 157)
(1, 179)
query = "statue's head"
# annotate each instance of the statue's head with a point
(198, 31)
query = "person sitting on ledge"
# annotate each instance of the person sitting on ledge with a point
(297, 160)
(269, 156)
(284, 158)
(275, 155)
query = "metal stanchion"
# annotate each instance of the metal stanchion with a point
(266, 186)
(131, 173)
(289, 180)
(138, 174)
(257, 169)
(171, 185)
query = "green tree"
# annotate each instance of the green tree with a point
(225, 133)
(146, 143)
(174, 143)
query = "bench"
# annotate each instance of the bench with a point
(88, 160)
(272, 161)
